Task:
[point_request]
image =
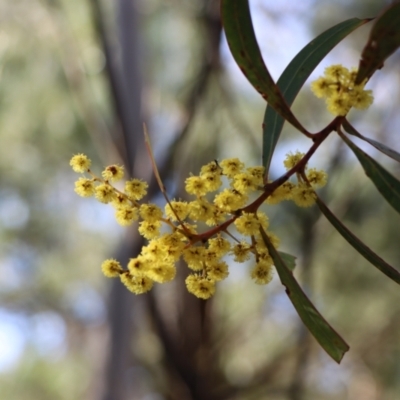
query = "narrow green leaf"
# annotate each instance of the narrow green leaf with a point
(326, 336)
(294, 76)
(379, 146)
(288, 259)
(384, 39)
(238, 26)
(385, 182)
(364, 250)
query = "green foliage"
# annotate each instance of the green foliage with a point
(365, 251)
(383, 41)
(243, 44)
(288, 259)
(384, 181)
(326, 336)
(295, 75)
(379, 146)
(245, 343)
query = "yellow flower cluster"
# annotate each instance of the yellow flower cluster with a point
(338, 88)
(303, 192)
(172, 233)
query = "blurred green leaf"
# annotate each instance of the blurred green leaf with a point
(386, 183)
(288, 259)
(326, 336)
(364, 250)
(379, 146)
(294, 76)
(239, 31)
(384, 39)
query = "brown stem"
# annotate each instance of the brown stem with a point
(269, 188)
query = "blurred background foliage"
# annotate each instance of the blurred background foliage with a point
(81, 76)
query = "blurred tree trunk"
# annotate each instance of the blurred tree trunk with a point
(189, 362)
(125, 87)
